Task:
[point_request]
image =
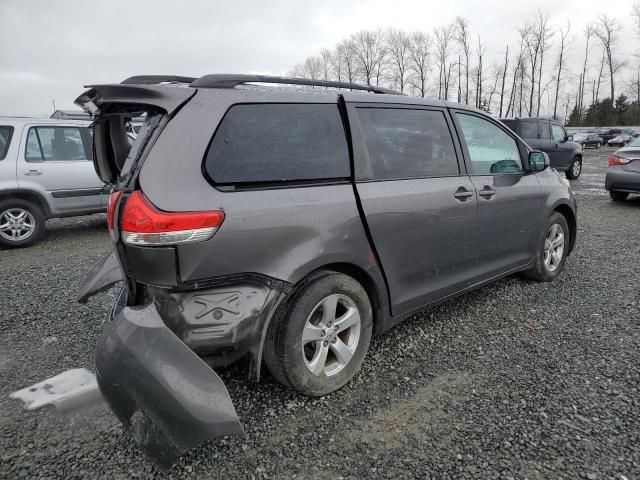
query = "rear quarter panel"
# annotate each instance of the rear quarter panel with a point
(284, 233)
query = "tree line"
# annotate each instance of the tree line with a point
(530, 78)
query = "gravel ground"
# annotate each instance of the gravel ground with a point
(515, 380)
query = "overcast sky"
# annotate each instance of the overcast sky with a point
(50, 49)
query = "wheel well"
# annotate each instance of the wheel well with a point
(363, 278)
(567, 213)
(28, 196)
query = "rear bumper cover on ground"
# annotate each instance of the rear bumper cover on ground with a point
(158, 387)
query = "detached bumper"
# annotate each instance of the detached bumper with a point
(159, 388)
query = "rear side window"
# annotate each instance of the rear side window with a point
(529, 129)
(404, 143)
(545, 132)
(278, 143)
(55, 144)
(6, 133)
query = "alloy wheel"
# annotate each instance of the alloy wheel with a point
(553, 247)
(16, 224)
(575, 168)
(331, 334)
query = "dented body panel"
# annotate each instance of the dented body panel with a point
(160, 389)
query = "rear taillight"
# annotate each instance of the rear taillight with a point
(143, 224)
(616, 160)
(114, 198)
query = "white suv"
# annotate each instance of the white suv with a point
(46, 171)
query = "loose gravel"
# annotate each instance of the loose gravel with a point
(515, 380)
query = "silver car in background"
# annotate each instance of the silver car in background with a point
(46, 171)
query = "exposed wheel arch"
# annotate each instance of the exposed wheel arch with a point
(567, 213)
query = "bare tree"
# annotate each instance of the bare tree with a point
(635, 12)
(444, 36)
(325, 64)
(480, 50)
(398, 46)
(347, 56)
(369, 53)
(312, 68)
(588, 32)
(606, 30)
(505, 67)
(545, 33)
(419, 54)
(564, 43)
(337, 64)
(462, 37)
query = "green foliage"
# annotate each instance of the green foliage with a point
(623, 112)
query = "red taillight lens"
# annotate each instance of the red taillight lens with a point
(114, 198)
(615, 160)
(143, 224)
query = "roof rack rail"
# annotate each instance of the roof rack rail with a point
(153, 79)
(223, 80)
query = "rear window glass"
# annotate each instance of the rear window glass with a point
(528, 129)
(55, 144)
(404, 143)
(5, 140)
(278, 143)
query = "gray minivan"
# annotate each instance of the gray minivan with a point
(290, 225)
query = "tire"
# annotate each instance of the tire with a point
(575, 169)
(618, 196)
(20, 218)
(597, 145)
(293, 362)
(542, 271)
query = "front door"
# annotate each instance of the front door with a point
(419, 205)
(509, 201)
(561, 150)
(57, 159)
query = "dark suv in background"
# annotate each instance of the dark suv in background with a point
(291, 225)
(550, 137)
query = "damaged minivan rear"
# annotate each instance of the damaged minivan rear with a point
(288, 226)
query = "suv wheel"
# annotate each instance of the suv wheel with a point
(598, 145)
(575, 169)
(553, 250)
(21, 223)
(618, 196)
(318, 341)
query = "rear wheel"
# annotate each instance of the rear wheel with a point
(553, 250)
(597, 145)
(574, 169)
(618, 196)
(21, 223)
(318, 340)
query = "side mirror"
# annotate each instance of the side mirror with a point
(538, 161)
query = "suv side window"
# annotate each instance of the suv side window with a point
(278, 143)
(529, 129)
(6, 133)
(491, 149)
(545, 133)
(558, 133)
(406, 143)
(55, 144)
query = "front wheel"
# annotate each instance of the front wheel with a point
(318, 340)
(553, 250)
(21, 223)
(574, 169)
(597, 145)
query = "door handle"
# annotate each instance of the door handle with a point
(487, 192)
(462, 194)
(32, 172)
